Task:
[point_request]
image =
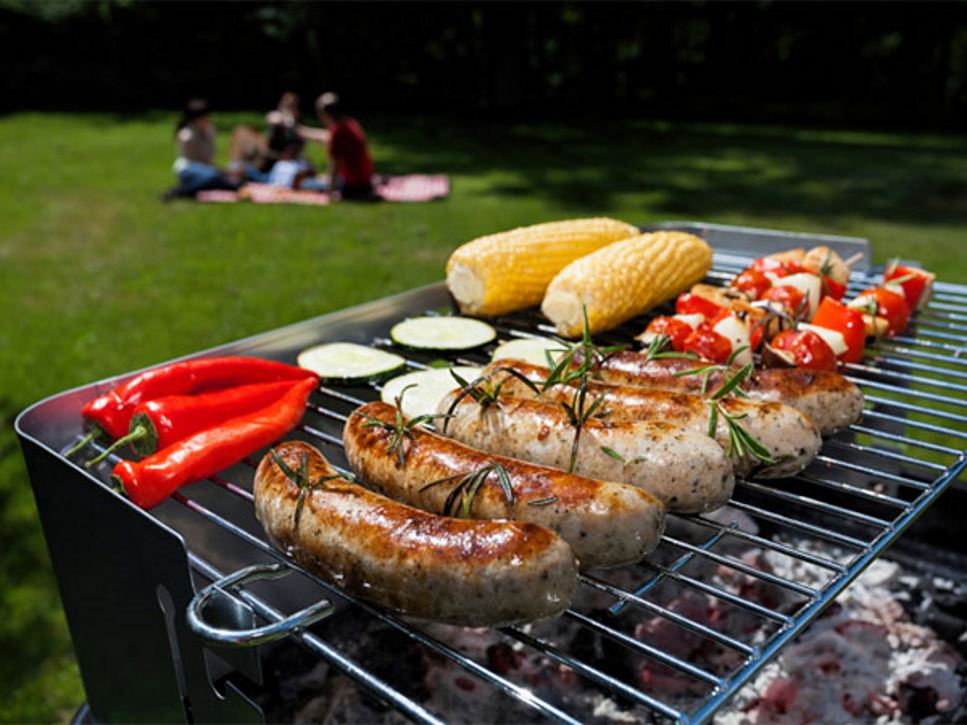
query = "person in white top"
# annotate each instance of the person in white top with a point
(194, 167)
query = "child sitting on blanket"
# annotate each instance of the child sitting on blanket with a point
(293, 170)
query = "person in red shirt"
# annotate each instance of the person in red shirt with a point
(350, 165)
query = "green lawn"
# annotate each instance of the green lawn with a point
(98, 277)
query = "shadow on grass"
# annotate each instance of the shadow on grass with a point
(696, 170)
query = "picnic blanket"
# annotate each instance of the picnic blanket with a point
(407, 188)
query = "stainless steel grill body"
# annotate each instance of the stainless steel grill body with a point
(127, 576)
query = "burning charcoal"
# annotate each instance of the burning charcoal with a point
(502, 659)
(673, 638)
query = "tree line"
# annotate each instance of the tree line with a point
(890, 65)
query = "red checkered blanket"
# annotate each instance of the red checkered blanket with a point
(406, 188)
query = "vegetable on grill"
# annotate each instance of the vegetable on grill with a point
(159, 423)
(917, 284)
(888, 302)
(111, 413)
(510, 271)
(834, 315)
(442, 333)
(625, 279)
(152, 480)
(348, 362)
(425, 388)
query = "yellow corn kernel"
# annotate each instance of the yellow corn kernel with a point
(625, 279)
(509, 271)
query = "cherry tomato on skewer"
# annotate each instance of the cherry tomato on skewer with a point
(808, 350)
(676, 330)
(708, 345)
(753, 282)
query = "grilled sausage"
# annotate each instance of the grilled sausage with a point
(687, 471)
(829, 399)
(606, 524)
(788, 435)
(471, 573)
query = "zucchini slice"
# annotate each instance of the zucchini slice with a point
(348, 362)
(528, 349)
(442, 333)
(431, 386)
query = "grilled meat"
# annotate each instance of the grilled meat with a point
(606, 524)
(472, 573)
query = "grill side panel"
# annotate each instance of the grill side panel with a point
(99, 551)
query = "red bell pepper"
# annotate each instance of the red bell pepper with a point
(689, 303)
(157, 424)
(111, 413)
(834, 315)
(917, 284)
(832, 288)
(154, 479)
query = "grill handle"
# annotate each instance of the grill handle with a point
(226, 637)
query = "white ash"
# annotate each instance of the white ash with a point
(862, 660)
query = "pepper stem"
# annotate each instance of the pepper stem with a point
(136, 434)
(95, 432)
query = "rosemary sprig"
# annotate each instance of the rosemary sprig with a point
(658, 343)
(483, 390)
(301, 479)
(578, 414)
(741, 442)
(563, 369)
(543, 501)
(618, 457)
(827, 266)
(462, 495)
(400, 428)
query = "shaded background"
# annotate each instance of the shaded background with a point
(889, 65)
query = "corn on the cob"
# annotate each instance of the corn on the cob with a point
(509, 271)
(625, 279)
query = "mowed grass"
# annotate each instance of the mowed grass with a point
(98, 277)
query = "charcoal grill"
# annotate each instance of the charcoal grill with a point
(131, 580)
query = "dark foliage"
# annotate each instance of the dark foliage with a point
(890, 64)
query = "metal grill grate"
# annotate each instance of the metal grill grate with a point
(867, 486)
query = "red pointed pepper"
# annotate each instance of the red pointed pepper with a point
(154, 479)
(111, 413)
(159, 423)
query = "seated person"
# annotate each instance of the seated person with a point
(350, 166)
(194, 167)
(252, 153)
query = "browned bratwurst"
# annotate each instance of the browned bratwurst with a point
(471, 573)
(606, 524)
(829, 399)
(685, 470)
(788, 435)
